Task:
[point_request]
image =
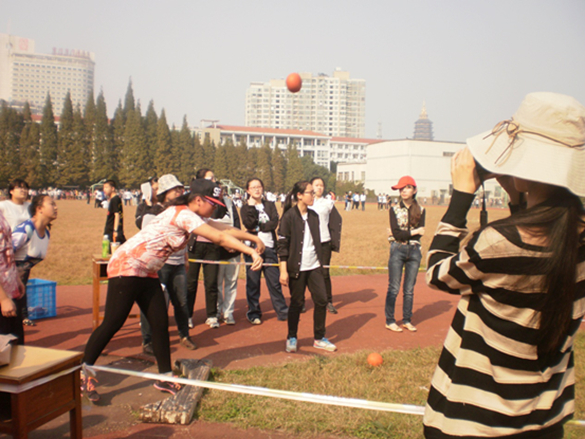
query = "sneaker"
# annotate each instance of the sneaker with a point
(191, 325)
(331, 308)
(393, 327)
(188, 343)
(325, 344)
(147, 349)
(409, 326)
(88, 388)
(303, 309)
(255, 321)
(229, 320)
(212, 322)
(28, 322)
(291, 345)
(167, 386)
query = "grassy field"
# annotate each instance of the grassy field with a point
(77, 235)
(404, 377)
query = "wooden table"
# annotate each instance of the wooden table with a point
(40, 385)
(99, 274)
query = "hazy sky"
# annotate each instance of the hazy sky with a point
(471, 61)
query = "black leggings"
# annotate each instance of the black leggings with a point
(122, 293)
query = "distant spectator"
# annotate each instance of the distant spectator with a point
(115, 220)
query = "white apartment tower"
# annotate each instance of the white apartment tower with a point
(331, 105)
(26, 76)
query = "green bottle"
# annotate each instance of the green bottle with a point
(105, 247)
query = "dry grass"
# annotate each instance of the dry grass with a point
(404, 378)
(77, 235)
(341, 375)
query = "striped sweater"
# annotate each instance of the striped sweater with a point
(490, 380)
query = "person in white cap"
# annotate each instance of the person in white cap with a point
(507, 366)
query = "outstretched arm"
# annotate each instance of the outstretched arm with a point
(215, 235)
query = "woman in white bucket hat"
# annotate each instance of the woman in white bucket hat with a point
(507, 368)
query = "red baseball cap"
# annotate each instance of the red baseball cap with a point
(404, 181)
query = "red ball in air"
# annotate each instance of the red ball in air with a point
(294, 82)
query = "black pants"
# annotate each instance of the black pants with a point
(123, 292)
(209, 252)
(312, 279)
(326, 246)
(13, 325)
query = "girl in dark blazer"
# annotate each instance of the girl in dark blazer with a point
(301, 262)
(260, 218)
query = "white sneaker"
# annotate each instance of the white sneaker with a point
(212, 322)
(410, 327)
(191, 325)
(394, 327)
(324, 344)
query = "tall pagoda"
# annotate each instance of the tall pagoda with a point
(423, 127)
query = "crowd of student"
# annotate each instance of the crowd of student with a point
(507, 365)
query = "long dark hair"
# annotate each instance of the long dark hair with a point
(298, 188)
(414, 213)
(556, 220)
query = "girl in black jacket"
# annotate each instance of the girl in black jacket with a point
(260, 217)
(301, 256)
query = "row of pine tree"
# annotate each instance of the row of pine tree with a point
(130, 148)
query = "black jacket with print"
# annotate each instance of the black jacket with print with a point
(291, 234)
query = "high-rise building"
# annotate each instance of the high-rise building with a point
(26, 76)
(331, 105)
(423, 127)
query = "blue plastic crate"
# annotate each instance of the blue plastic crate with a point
(41, 298)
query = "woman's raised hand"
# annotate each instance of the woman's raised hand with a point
(463, 172)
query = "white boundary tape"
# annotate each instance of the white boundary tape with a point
(282, 394)
(408, 409)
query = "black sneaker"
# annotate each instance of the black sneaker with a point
(88, 388)
(147, 349)
(331, 308)
(28, 322)
(167, 386)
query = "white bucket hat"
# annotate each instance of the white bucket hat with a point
(168, 182)
(544, 141)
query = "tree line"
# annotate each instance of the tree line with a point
(131, 147)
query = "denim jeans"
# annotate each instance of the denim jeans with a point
(174, 278)
(405, 256)
(272, 276)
